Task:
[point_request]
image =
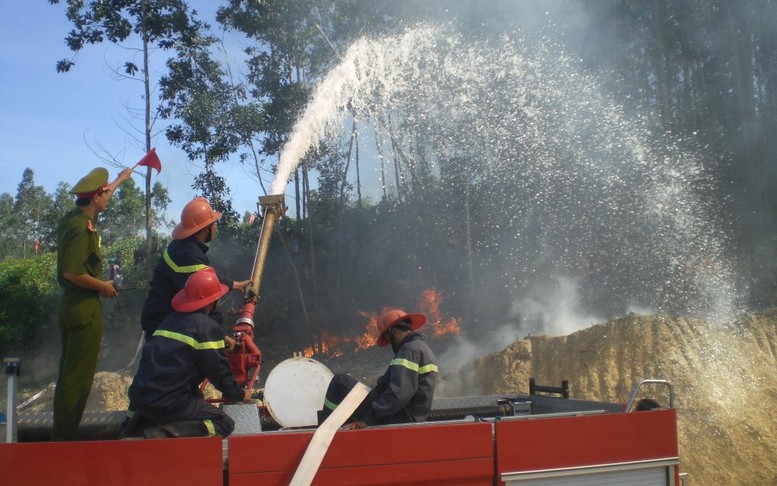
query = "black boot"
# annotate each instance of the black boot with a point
(134, 426)
(183, 428)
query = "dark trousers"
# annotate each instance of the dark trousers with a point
(198, 419)
(338, 389)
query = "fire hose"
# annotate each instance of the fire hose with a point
(322, 437)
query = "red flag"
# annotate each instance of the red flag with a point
(151, 160)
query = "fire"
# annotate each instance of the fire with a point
(429, 302)
(334, 347)
(327, 345)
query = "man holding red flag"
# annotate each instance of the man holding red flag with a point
(79, 267)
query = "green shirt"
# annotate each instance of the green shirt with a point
(78, 248)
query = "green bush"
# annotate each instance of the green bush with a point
(126, 251)
(28, 296)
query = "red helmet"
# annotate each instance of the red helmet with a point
(202, 287)
(197, 214)
(396, 316)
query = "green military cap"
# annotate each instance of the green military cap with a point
(91, 182)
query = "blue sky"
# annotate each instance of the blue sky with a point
(54, 123)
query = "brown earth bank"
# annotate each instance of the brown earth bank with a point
(724, 378)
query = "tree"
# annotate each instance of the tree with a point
(62, 202)
(166, 24)
(160, 200)
(31, 205)
(194, 92)
(705, 66)
(30, 220)
(278, 64)
(214, 120)
(214, 188)
(8, 222)
(124, 217)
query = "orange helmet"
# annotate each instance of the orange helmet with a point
(197, 214)
(394, 317)
(202, 287)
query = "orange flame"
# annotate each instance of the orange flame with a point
(428, 304)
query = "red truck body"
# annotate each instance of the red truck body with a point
(587, 447)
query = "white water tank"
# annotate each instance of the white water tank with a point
(294, 391)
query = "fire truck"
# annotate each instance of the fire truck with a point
(540, 438)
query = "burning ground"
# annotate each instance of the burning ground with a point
(724, 378)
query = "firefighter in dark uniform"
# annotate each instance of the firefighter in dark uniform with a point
(405, 391)
(184, 255)
(79, 267)
(186, 348)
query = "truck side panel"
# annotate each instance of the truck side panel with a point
(127, 462)
(546, 444)
(423, 454)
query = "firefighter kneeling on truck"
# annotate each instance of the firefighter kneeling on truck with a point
(405, 391)
(186, 348)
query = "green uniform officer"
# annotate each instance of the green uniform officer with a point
(79, 266)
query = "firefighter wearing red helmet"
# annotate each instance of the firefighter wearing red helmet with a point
(187, 348)
(405, 391)
(186, 254)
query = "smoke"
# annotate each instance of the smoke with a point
(461, 351)
(640, 310)
(554, 309)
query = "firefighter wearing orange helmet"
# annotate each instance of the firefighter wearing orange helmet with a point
(186, 348)
(186, 254)
(79, 270)
(405, 391)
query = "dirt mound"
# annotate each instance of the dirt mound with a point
(725, 383)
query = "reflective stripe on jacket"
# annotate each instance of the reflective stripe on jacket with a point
(186, 349)
(407, 387)
(181, 259)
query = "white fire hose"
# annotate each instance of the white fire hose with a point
(323, 436)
